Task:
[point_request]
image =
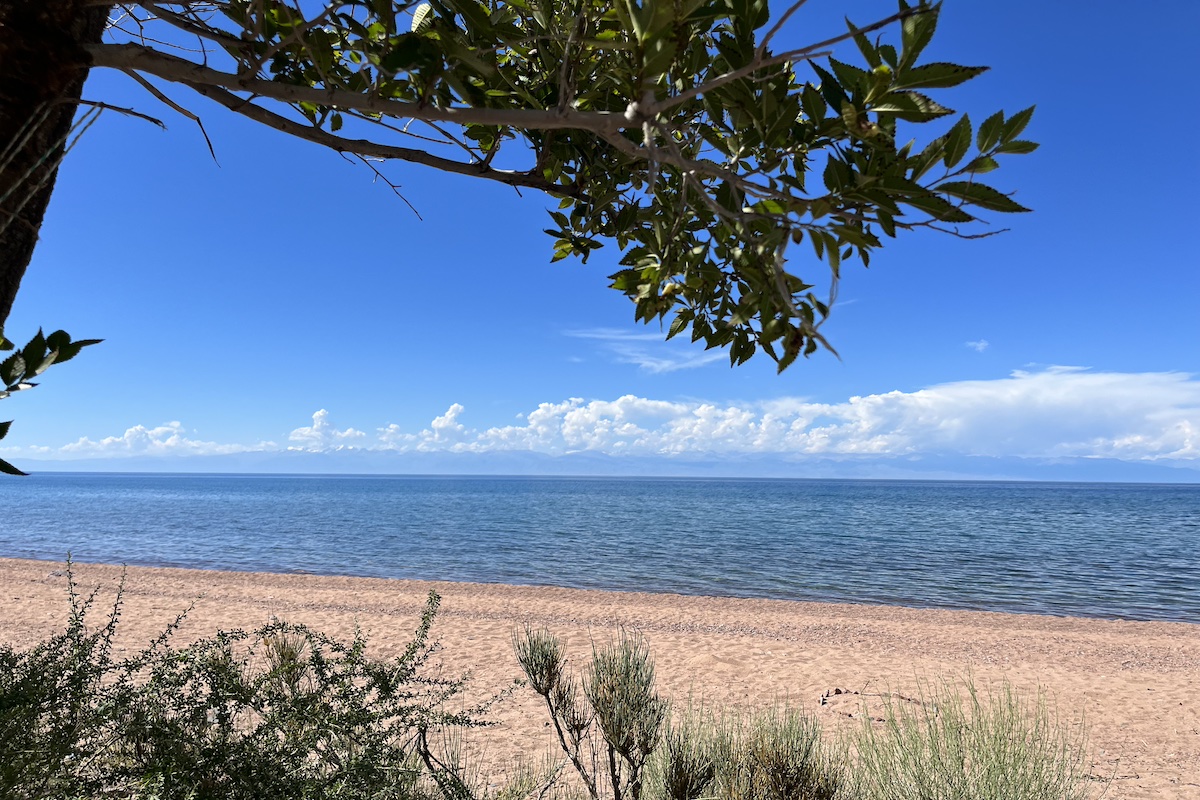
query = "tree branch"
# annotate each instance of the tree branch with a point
(365, 147)
(692, 166)
(179, 70)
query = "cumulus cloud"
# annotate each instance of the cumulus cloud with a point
(323, 435)
(979, 346)
(168, 439)
(444, 433)
(648, 351)
(1048, 412)
(1056, 412)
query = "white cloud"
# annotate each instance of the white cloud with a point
(1051, 413)
(1047, 412)
(648, 351)
(322, 435)
(979, 346)
(168, 439)
(444, 433)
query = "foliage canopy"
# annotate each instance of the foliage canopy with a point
(673, 129)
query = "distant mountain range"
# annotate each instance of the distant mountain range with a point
(374, 462)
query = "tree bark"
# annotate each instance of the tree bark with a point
(44, 65)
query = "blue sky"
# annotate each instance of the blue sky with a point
(283, 304)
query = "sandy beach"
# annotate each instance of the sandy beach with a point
(1136, 683)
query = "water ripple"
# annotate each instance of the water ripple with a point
(1099, 550)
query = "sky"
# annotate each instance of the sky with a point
(278, 310)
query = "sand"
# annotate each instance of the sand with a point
(1136, 683)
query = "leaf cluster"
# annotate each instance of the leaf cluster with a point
(675, 130)
(18, 369)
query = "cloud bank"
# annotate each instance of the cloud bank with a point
(1048, 413)
(168, 439)
(1056, 412)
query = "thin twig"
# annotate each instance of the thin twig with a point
(148, 86)
(390, 184)
(364, 147)
(129, 112)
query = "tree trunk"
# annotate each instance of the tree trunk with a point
(43, 65)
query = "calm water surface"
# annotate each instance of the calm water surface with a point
(1103, 550)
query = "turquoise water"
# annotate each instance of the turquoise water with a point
(1099, 550)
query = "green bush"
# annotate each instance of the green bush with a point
(773, 754)
(951, 743)
(286, 712)
(776, 754)
(622, 741)
(608, 738)
(279, 712)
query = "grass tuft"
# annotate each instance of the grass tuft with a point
(954, 743)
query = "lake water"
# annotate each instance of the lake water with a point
(1099, 550)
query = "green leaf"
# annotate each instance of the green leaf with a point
(923, 161)
(938, 207)
(310, 110)
(813, 104)
(475, 16)
(939, 75)
(626, 280)
(1018, 147)
(677, 325)
(830, 90)
(1015, 124)
(912, 107)
(981, 165)
(851, 77)
(989, 132)
(34, 354)
(983, 196)
(887, 222)
(12, 369)
(864, 45)
(958, 141)
(9, 469)
(915, 33)
(67, 352)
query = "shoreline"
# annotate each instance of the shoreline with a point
(1137, 683)
(816, 601)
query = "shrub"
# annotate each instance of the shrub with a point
(286, 712)
(949, 745)
(609, 738)
(621, 741)
(953, 744)
(776, 754)
(279, 712)
(54, 708)
(772, 754)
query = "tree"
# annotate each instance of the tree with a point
(673, 128)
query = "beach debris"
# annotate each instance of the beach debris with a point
(833, 693)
